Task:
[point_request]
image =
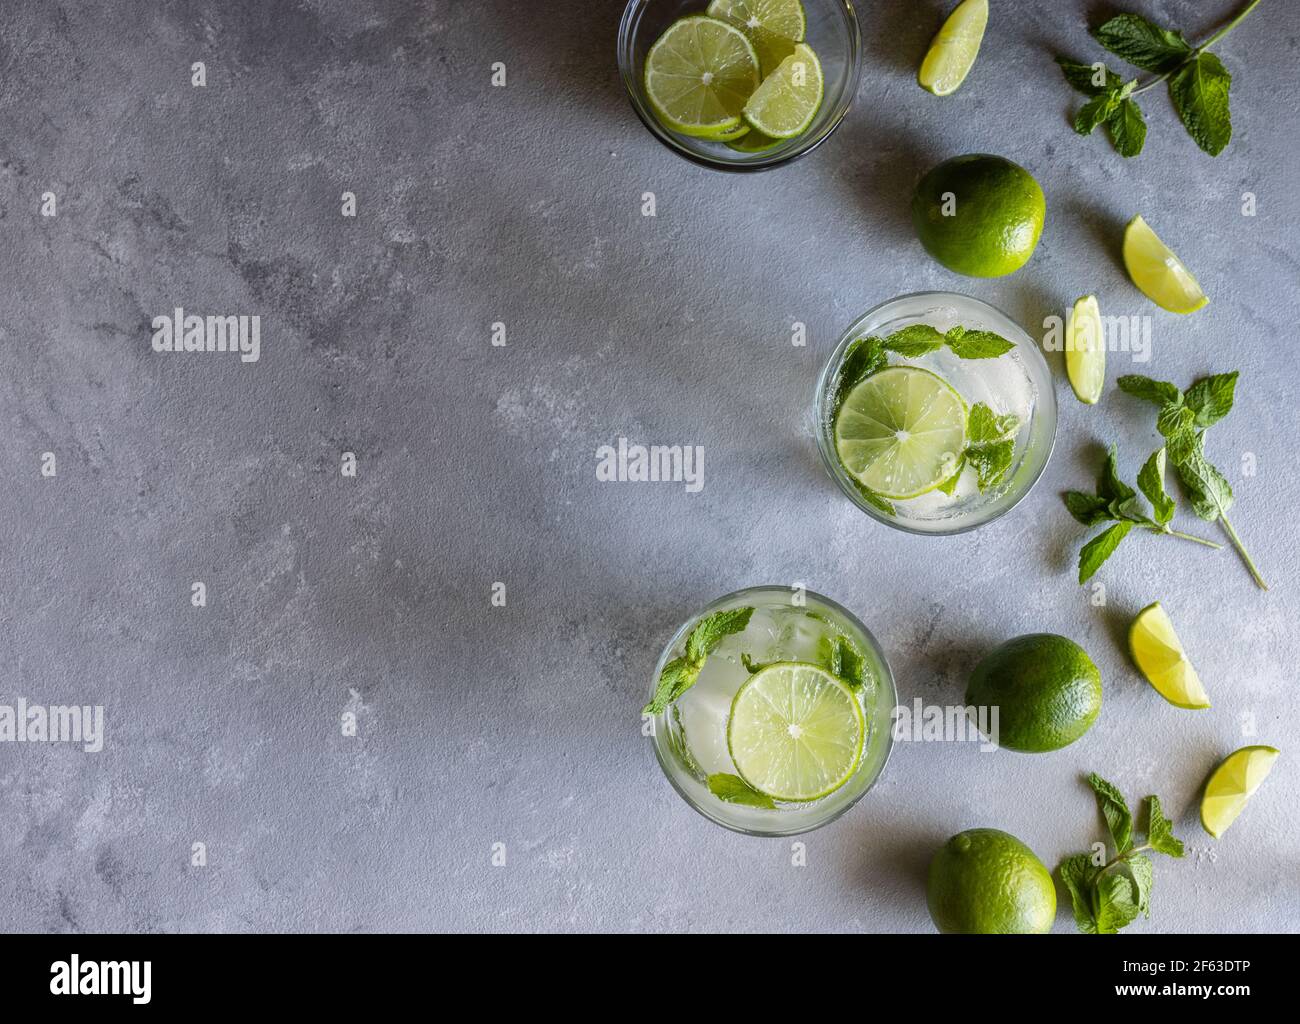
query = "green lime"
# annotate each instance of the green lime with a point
(953, 52)
(699, 74)
(795, 732)
(1045, 687)
(789, 98)
(979, 215)
(986, 882)
(754, 142)
(773, 26)
(901, 432)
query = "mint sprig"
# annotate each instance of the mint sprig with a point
(680, 674)
(868, 355)
(990, 444)
(1117, 503)
(735, 790)
(1108, 896)
(1183, 420)
(1198, 83)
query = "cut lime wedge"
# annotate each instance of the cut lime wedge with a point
(789, 98)
(773, 26)
(699, 74)
(1085, 351)
(1232, 784)
(1161, 659)
(795, 732)
(901, 432)
(1158, 273)
(953, 52)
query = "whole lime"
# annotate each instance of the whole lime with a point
(986, 882)
(979, 215)
(1045, 688)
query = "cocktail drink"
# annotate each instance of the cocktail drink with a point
(771, 711)
(936, 413)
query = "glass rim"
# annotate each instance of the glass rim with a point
(825, 438)
(843, 104)
(886, 682)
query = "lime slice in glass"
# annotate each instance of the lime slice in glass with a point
(901, 432)
(1158, 273)
(1232, 784)
(953, 52)
(789, 98)
(1085, 351)
(773, 26)
(795, 732)
(699, 74)
(1161, 659)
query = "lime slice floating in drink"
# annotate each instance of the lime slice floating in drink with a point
(901, 431)
(789, 98)
(1232, 784)
(1085, 351)
(795, 732)
(953, 52)
(1158, 273)
(773, 26)
(1161, 659)
(699, 74)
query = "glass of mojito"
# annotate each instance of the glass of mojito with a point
(740, 85)
(770, 711)
(936, 413)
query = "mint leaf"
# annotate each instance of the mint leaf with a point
(1158, 391)
(1127, 128)
(1143, 876)
(676, 678)
(864, 357)
(874, 500)
(712, 630)
(1210, 493)
(1089, 79)
(1100, 548)
(680, 674)
(977, 344)
(735, 790)
(912, 342)
(1174, 419)
(1116, 905)
(983, 424)
(1087, 508)
(1113, 807)
(1200, 95)
(752, 666)
(850, 665)
(1160, 830)
(1109, 485)
(991, 460)
(1142, 43)
(1211, 397)
(1151, 481)
(1079, 875)
(949, 486)
(1095, 112)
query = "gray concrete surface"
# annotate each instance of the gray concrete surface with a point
(518, 725)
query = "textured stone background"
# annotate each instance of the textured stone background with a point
(519, 724)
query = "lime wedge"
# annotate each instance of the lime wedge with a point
(795, 732)
(1085, 351)
(1158, 273)
(1161, 659)
(789, 98)
(773, 26)
(955, 47)
(1232, 784)
(699, 74)
(901, 432)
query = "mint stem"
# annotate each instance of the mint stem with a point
(1241, 548)
(1185, 536)
(1200, 49)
